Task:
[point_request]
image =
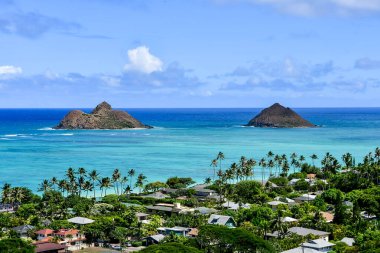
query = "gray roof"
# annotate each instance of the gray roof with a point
(276, 203)
(142, 214)
(23, 229)
(156, 195)
(218, 219)
(235, 206)
(317, 244)
(348, 240)
(80, 220)
(157, 237)
(302, 231)
(283, 199)
(205, 210)
(160, 208)
(179, 229)
(301, 250)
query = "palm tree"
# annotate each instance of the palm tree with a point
(141, 179)
(270, 165)
(234, 171)
(19, 194)
(115, 179)
(81, 172)
(207, 180)
(220, 157)
(105, 184)
(5, 190)
(214, 164)
(285, 168)
(348, 160)
(54, 182)
(263, 165)
(131, 174)
(62, 186)
(94, 176)
(313, 157)
(123, 181)
(88, 186)
(45, 185)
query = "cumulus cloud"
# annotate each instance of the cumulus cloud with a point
(10, 70)
(317, 7)
(367, 64)
(33, 25)
(141, 60)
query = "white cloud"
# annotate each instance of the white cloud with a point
(111, 81)
(317, 7)
(10, 70)
(141, 60)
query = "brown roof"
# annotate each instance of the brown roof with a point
(327, 216)
(65, 232)
(193, 232)
(47, 246)
(311, 176)
(44, 231)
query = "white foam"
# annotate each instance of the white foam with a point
(11, 135)
(46, 129)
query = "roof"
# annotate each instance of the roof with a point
(288, 219)
(276, 203)
(301, 250)
(193, 232)
(348, 240)
(205, 210)
(142, 214)
(317, 244)
(169, 190)
(65, 232)
(218, 219)
(23, 229)
(46, 231)
(160, 208)
(80, 220)
(202, 188)
(157, 237)
(156, 195)
(48, 246)
(302, 232)
(283, 199)
(306, 197)
(329, 217)
(235, 206)
(178, 229)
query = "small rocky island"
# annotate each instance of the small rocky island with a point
(102, 117)
(280, 117)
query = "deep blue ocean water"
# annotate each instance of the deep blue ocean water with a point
(183, 142)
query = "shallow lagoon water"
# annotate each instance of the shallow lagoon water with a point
(183, 142)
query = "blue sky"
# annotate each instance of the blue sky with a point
(198, 53)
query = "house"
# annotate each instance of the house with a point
(367, 215)
(44, 234)
(169, 208)
(193, 232)
(154, 239)
(304, 232)
(311, 176)
(142, 217)
(70, 238)
(329, 217)
(156, 195)
(288, 201)
(288, 220)
(201, 191)
(23, 230)
(234, 206)
(348, 240)
(274, 204)
(205, 210)
(181, 231)
(312, 246)
(48, 247)
(305, 198)
(222, 220)
(319, 244)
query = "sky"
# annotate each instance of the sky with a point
(196, 53)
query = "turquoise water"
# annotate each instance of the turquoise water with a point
(183, 142)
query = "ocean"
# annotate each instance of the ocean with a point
(182, 143)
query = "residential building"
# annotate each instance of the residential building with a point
(222, 220)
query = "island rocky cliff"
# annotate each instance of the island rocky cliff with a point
(102, 117)
(279, 116)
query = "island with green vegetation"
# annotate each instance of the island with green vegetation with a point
(102, 117)
(279, 116)
(332, 205)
